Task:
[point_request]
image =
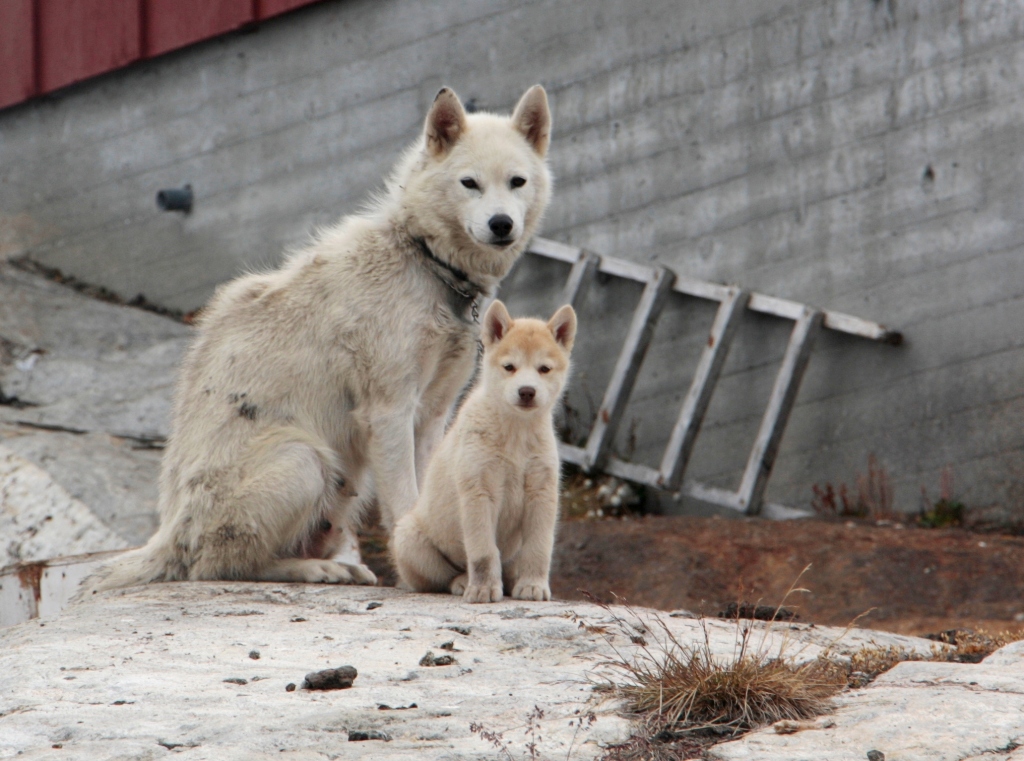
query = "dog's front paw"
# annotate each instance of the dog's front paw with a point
(488, 592)
(531, 589)
(360, 574)
(316, 571)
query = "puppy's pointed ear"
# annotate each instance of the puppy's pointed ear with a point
(563, 326)
(532, 117)
(496, 324)
(445, 124)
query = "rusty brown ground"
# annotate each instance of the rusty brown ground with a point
(909, 580)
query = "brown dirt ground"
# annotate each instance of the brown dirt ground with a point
(908, 580)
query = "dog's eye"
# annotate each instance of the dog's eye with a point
(518, 182)
(543, 369)
(510, 368)
(469, 182)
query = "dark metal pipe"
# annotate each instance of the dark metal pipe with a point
(175, 199)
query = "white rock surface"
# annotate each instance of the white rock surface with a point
(39, 519)
(132, 672)
(918, 711)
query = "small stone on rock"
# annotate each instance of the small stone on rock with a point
(330, 679)
(373, 605)
(290, 687)
(236, 680)
(876, 755)
(254, 654)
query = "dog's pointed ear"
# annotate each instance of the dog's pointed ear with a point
(445, 124)
(563, 326)
(496, 323)
(532, 117)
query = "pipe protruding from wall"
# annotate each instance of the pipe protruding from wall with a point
(175, 199)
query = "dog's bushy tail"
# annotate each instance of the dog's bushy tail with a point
(141, 566)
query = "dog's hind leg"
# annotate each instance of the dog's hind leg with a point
(420, 565)
(285, 486)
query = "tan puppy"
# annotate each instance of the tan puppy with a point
(313, 387)
(485, 520)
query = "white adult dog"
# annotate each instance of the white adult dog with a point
(314, 385)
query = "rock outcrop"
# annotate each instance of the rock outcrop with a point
(204, 670)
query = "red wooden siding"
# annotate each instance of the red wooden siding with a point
(173, 24)
(268, 8)
(86, 37)
(17, 64)
(48, 44)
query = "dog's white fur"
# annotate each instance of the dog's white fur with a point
(485, 520)
(314, 385)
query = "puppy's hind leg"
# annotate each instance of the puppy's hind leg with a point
(285, 485)
(420, 565)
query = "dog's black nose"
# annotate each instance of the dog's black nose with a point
(501, 225)
(526, 393)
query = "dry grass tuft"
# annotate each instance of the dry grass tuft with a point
(688, 689)
(684, 689)
(974, 646)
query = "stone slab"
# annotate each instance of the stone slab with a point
(135, 673)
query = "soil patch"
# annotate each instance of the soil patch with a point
(907, 580)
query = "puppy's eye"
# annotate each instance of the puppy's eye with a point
(518, 182)
(469, 182)
(510, 368)
(543, 369)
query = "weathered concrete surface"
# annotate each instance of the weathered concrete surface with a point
(84, 364)
(86, 389)
(115, 477)
(132, 672)
(40, 520)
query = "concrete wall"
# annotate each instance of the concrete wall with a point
(863, 155)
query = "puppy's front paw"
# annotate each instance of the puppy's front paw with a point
(531, 589)
(459, 584)
(488, 592)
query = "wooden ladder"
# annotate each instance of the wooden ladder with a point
(658, 282)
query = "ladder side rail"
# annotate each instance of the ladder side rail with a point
(580, 276)
(619, 388)
(698, 398)
(776, 415)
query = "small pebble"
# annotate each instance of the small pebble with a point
(368, 734)
(876, 755)
(436, 660)
(254, 654)
(290, 687)
(236, 680)
(373, 605)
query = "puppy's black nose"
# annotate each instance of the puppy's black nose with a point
(501, 225)
(526, 393)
